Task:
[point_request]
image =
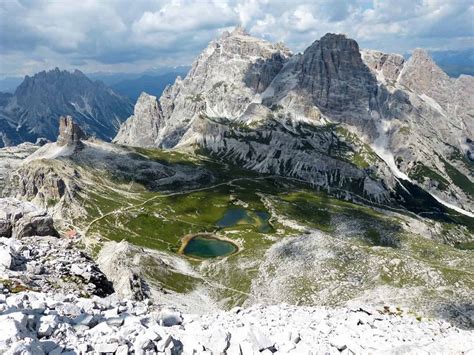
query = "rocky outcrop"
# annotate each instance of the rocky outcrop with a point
(34, 258)
(47, 186)
(42, 184)
(70, 134)
(143, 126)
(10, 159)
(120, 264)
(33, 110)
(22, 219)
(49, 263)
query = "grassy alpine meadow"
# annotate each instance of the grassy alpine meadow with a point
(257, 213)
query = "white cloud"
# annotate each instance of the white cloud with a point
(182, 16)
(128, 35)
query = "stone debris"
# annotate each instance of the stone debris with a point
(114, 326)
(33, 257)
(50, 263)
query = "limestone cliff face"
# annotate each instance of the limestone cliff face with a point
(452, 98)
(143, 126)
(331, 72)
(49, 183)
(386, 67)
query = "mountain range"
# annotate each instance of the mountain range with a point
(33, 110)
(333, 116)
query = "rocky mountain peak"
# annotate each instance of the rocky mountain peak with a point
(421, 75)
(421, 61)
(70, 134)
(146, 104)
(421, 55)
(239, 43)
(335, 41)
(40, 99)
(336, 50)
(332, 72)
(237, 31)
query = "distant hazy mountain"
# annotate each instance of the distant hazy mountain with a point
(151, 84)
(33, 110)
(10, 84)
(111, 79)
(455, 63)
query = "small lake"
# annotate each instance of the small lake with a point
(205, 247)
(240, 216)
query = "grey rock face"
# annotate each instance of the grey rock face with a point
(45, 185)
(143, 126)
(401, 111)
(222, 82)
(422, 76)
(22, 219)
(117, 261)
(301, 151)
(331, 72)
(35, 107)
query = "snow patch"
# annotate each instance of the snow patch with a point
(453, 207)
(380, 148)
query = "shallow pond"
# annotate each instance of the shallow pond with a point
(205, 247)
(237, 215)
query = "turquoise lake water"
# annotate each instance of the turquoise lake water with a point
(205, 247)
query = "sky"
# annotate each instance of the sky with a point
(137, 35)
